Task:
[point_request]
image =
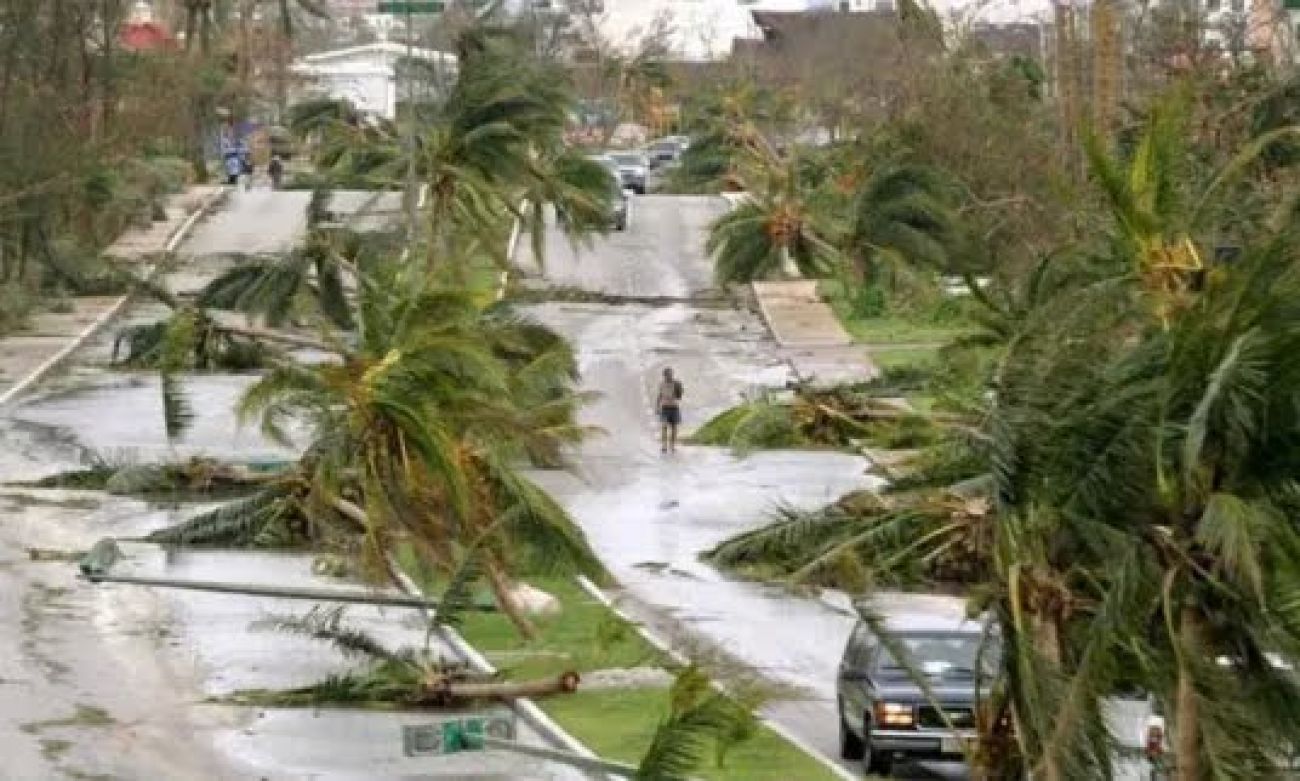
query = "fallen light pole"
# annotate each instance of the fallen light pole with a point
(497, 732)
(99, 560)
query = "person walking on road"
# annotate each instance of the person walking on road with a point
(276, 171)
(668, 404)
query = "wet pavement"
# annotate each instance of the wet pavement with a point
(650, 515)
(108, 682)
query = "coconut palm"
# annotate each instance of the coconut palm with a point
(777, 228)
(904, 216)
(496, 141)
(425, 420)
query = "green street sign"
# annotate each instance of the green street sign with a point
(453, 736)
(411, 6)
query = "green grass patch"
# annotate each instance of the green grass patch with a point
(939, 323)
(890, 357)
(899, 330)
(615, 723)
(584, 636)
(619, 725)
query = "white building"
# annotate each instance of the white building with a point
(364, 75)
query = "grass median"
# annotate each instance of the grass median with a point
(616, 723)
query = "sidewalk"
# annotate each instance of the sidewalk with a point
(27, 356)
(809, 335)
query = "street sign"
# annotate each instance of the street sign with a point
(453, 736)
(411, 6)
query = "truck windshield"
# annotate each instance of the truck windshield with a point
(952, 655)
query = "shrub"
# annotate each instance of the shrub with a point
(15, 306)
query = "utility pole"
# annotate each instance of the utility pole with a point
(409, 8)
(411, 206)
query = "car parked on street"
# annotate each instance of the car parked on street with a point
(664, 152)
(633, 170)
(884, 713)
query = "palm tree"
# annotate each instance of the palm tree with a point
(778, 227)
(425, 419)
(496, 142)
(904, 215)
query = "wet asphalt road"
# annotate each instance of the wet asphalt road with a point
(108, 682)
(650, 515)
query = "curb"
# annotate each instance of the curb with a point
(51, 363)
(664, 647)
(524, 708)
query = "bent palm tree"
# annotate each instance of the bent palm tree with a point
(904, 215)
(426, 420)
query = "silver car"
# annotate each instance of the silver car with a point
(884, 712)
(633, 170)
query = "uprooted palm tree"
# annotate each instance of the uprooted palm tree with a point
(415, 429)
(425, 421)
(701, 723)
(405, 677)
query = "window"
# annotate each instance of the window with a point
(1213, 5)
(1238, 5)
(861, 646)
(938, 655)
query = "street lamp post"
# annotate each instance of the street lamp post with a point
(409, 8)
(411, 205)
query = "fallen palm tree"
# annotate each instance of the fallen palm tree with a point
(391, 678)
(198, 476)
(846, 416)
(944, 506)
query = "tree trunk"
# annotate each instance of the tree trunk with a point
(443, 691)
(788, 268)
(1047, 642)
(501, 589)
(1187, 718)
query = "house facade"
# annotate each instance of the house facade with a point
(364, 75)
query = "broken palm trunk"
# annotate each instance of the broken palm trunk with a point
(461, 690)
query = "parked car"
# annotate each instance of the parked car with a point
(665, 151)
(633, 170)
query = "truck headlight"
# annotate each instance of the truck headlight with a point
(895, 715)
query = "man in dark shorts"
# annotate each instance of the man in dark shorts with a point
(668, 402)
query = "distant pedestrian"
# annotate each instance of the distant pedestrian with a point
(668, 404)
(234, 168)
(276, 170)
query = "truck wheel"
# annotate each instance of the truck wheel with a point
(851, 746)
